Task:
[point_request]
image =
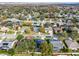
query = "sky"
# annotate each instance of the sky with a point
(39, 0)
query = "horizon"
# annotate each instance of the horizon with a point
(40, 2)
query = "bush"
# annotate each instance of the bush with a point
(10, 32)
(11, 52)
(19, 37)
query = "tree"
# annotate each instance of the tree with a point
(50, 52)
(24, 23)
(61, 38)
(25, 46)
(22, 46)
(69, 50)
(42, 29)
(75, 35)
(28, 31)
(65, 34)
(46, 49)
(11, 52)
(19, 37)
(31, 46)
(66, 50)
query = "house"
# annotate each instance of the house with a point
(69, 22)
(48, 37)
(46, 24)
(49, 31)
(72, 44)
(14, 20)
(7, 44)
(57, 28)
(29, 37)
(4, 29)
(57, 44)
(36, 26)
(60, 22)
(0, 42)
(16, 27)
(78, 30)
(37, 37)
(29, 16)
(10, 36)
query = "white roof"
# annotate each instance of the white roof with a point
(13, 19)
(1, 41)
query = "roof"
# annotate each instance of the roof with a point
(55, 37)
(13, 19)
(36, 23)
(7, 44)
(4, 28)
(72, 44)
(38, 41)
(29, 37)
(57, 44)
(1, 41)
(7, 35)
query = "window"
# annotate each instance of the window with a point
(5, 43)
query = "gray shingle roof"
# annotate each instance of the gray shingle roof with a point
(72, 44)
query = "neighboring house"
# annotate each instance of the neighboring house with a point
(37, 37)
(57, 29)
(0, 42)
(78, 30)
(29, 16)
(60, 22)
(4, 29)
(36, 26)
(69, 23)
(72, 44)
(7, 44)
(8, 36)
(16, 27)
(13, 20)
(49, 31)
(48, 37)
(57, 44)
(46, 30)
(11, 36)
(29, 37)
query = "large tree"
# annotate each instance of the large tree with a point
(11, 52)
(21, 46)
(31, 46)
(46, 49)
(19, 37)
(42, 29)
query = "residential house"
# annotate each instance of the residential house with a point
(48, 37)
(49, 31)
(4, 29)
(36, 26)
(72, 44)
(7, 44)
(57, 28)
(57, 44)
(14, 20)
(37, 37)
(29, 37)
